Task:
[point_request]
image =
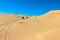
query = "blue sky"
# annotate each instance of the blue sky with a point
(28, 7)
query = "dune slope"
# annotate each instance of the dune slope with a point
(20, 27)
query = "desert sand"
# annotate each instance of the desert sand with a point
(22, 27)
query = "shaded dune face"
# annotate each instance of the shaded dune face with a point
(19, 27)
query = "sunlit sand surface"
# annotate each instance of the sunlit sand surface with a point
(21, 27)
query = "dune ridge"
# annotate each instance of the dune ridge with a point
(22, 27)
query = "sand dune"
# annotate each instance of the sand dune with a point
(21, 27)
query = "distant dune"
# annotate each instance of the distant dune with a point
(21, 27)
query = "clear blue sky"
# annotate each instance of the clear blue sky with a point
(28, 7)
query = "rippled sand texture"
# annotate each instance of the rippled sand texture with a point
(20, 27)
